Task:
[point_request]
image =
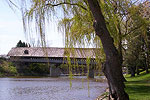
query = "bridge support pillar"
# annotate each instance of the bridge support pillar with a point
(91, 72)
(54, 71)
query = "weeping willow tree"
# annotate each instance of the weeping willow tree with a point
(101, 23)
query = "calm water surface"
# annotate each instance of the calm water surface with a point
(48, 89)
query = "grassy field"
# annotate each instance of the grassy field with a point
(138, 87)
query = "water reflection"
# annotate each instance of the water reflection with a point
(47, 89)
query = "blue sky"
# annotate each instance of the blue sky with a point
(11, 30)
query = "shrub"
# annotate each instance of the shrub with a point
(38, 69)
(12, 70)
(7, 69)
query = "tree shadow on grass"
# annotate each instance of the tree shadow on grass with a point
(142, 82)
(138, 87)
(139, 91)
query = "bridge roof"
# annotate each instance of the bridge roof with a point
(52, 52)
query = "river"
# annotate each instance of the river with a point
(49, 89)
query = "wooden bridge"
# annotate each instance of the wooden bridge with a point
(53, 55)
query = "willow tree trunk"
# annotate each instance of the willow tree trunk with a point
(112, 67)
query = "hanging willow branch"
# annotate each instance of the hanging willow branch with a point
(67, 3)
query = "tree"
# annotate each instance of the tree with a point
(137, 55)
(22, 44)
(19, 44)
(112, 66)
(145, 13)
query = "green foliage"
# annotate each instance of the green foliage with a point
(1, 74)
(136, 55)
(138, 87)
(64, 66)
(7, 69)
(37, 69)
(135, 48)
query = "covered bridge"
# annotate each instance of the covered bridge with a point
(52, 55)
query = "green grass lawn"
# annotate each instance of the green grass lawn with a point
(138, 87)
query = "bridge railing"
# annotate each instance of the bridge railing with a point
(52, 60)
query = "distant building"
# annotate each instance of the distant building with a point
(4, 57)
